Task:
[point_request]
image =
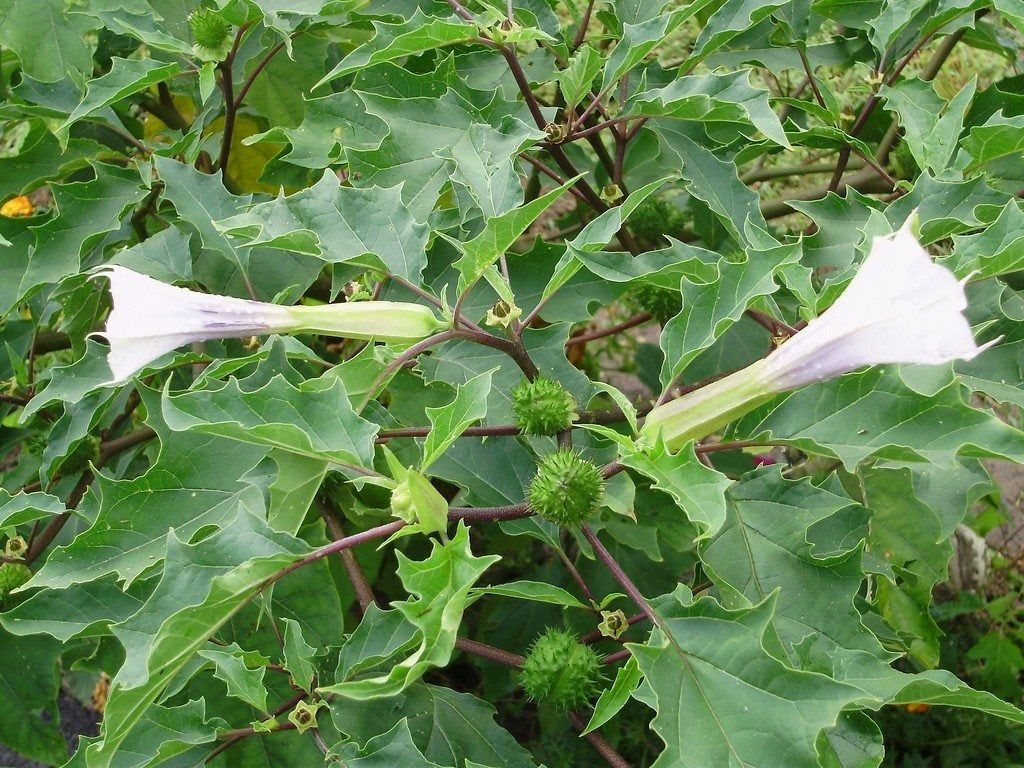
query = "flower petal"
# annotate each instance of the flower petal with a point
(900, 307)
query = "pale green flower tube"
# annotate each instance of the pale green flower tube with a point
(706, 410)
(150, 318)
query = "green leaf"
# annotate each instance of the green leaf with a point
(999, 371)
(126, 76)
(946, 208)
(458, 362)
(712, 677)
(698, 490)
(996, 250)
(278, 92)
(449, 421)
(314, 420)
(595, 235)
(394, 747)
(715, 101)
(1002, 663)
(408, 37)
(165, 256)
(874, 414)
(998, 138)
(440, 586)
(729, 19)
(499, 234)
(40, 159)
(447, 726)
(417, 128)
(537, 591)
(298, 655)
(900, 24)
(856, 742)
(193, 484)
(907, 533)
(575, 80)
(49, 41)
(483, 163)
(22, 508)
(381, 635)
(329, 124)
(805, 542)
(29, 682)
(203, 586)
(613, 699)
(709, 309)
(340, 224)
(932, 124)
(164, 733)
(200, 200)
(243, 683)
(714, 181)
(88, 210)
(79, 610)
(638, 40)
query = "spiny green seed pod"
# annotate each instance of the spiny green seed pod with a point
(904, 163)
(12, 576)
(86, 451)
(567, 489)
(542, 406)
(662, 303)
(654, 218)
(209, 30)
(561, 671)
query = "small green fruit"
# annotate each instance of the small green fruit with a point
(211, 34)
(655, 218)
(662, 303)
(12, 576)
(567, 489)
(561, 671)
(542, 406)
(78, 460)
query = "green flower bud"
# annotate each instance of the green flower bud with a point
(567, 489)
(561, 671)
(211, 33)
(12, 576)
(415, 500)
(543, 406)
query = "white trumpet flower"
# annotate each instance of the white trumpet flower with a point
(900, 307)
(150, 318)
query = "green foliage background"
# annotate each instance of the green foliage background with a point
(210, 544)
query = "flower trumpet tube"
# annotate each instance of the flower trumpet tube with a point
(900, 307)
(150, 318)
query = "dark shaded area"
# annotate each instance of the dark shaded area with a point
(75, 720)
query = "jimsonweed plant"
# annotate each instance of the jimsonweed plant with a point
(503, 385)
